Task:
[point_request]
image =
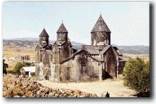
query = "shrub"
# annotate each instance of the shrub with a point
(137, 75)
(18, 67)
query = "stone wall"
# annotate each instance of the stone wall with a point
(111, 63)
(54, 72)
(71, 67)
(74, 68)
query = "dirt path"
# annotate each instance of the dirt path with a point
(114, 87)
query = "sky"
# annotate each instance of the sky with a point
(128, 21)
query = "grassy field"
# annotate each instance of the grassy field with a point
(12, 55)
(145, 57)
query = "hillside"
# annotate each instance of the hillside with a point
(31, 43)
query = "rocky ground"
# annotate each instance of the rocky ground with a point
(114, 87)
(19, 86)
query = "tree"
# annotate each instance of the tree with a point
(137, 75)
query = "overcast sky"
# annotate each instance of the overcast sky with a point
(128, 21)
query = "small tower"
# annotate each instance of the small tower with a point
(43, 56)
(62, 33)
(61, 51)
(44, 39)
(100, 34)
(62, 46)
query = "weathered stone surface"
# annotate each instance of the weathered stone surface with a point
(61, 61)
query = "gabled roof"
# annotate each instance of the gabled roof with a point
(100, 26)
(78, 52)
(105, 49)
(44, 33)
(91, 49)
(72, 56)
(118, 51)
(115, 49)
(62, 28)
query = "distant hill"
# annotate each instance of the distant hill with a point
(139, 49)
(31, 43)
(22, 39)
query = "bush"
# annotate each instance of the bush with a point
(137, 75)
(18, 67)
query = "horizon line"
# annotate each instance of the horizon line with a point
(75, 42)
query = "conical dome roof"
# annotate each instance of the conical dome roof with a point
(44, 33)
(62, 28)
(100, 26)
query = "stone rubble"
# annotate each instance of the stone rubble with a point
(19, 86)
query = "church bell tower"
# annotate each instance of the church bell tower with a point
(62, 34)
(62, 45)
(100, 34)
(44, 39)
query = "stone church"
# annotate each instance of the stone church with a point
(61, 61)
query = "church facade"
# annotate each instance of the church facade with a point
(61, 61)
